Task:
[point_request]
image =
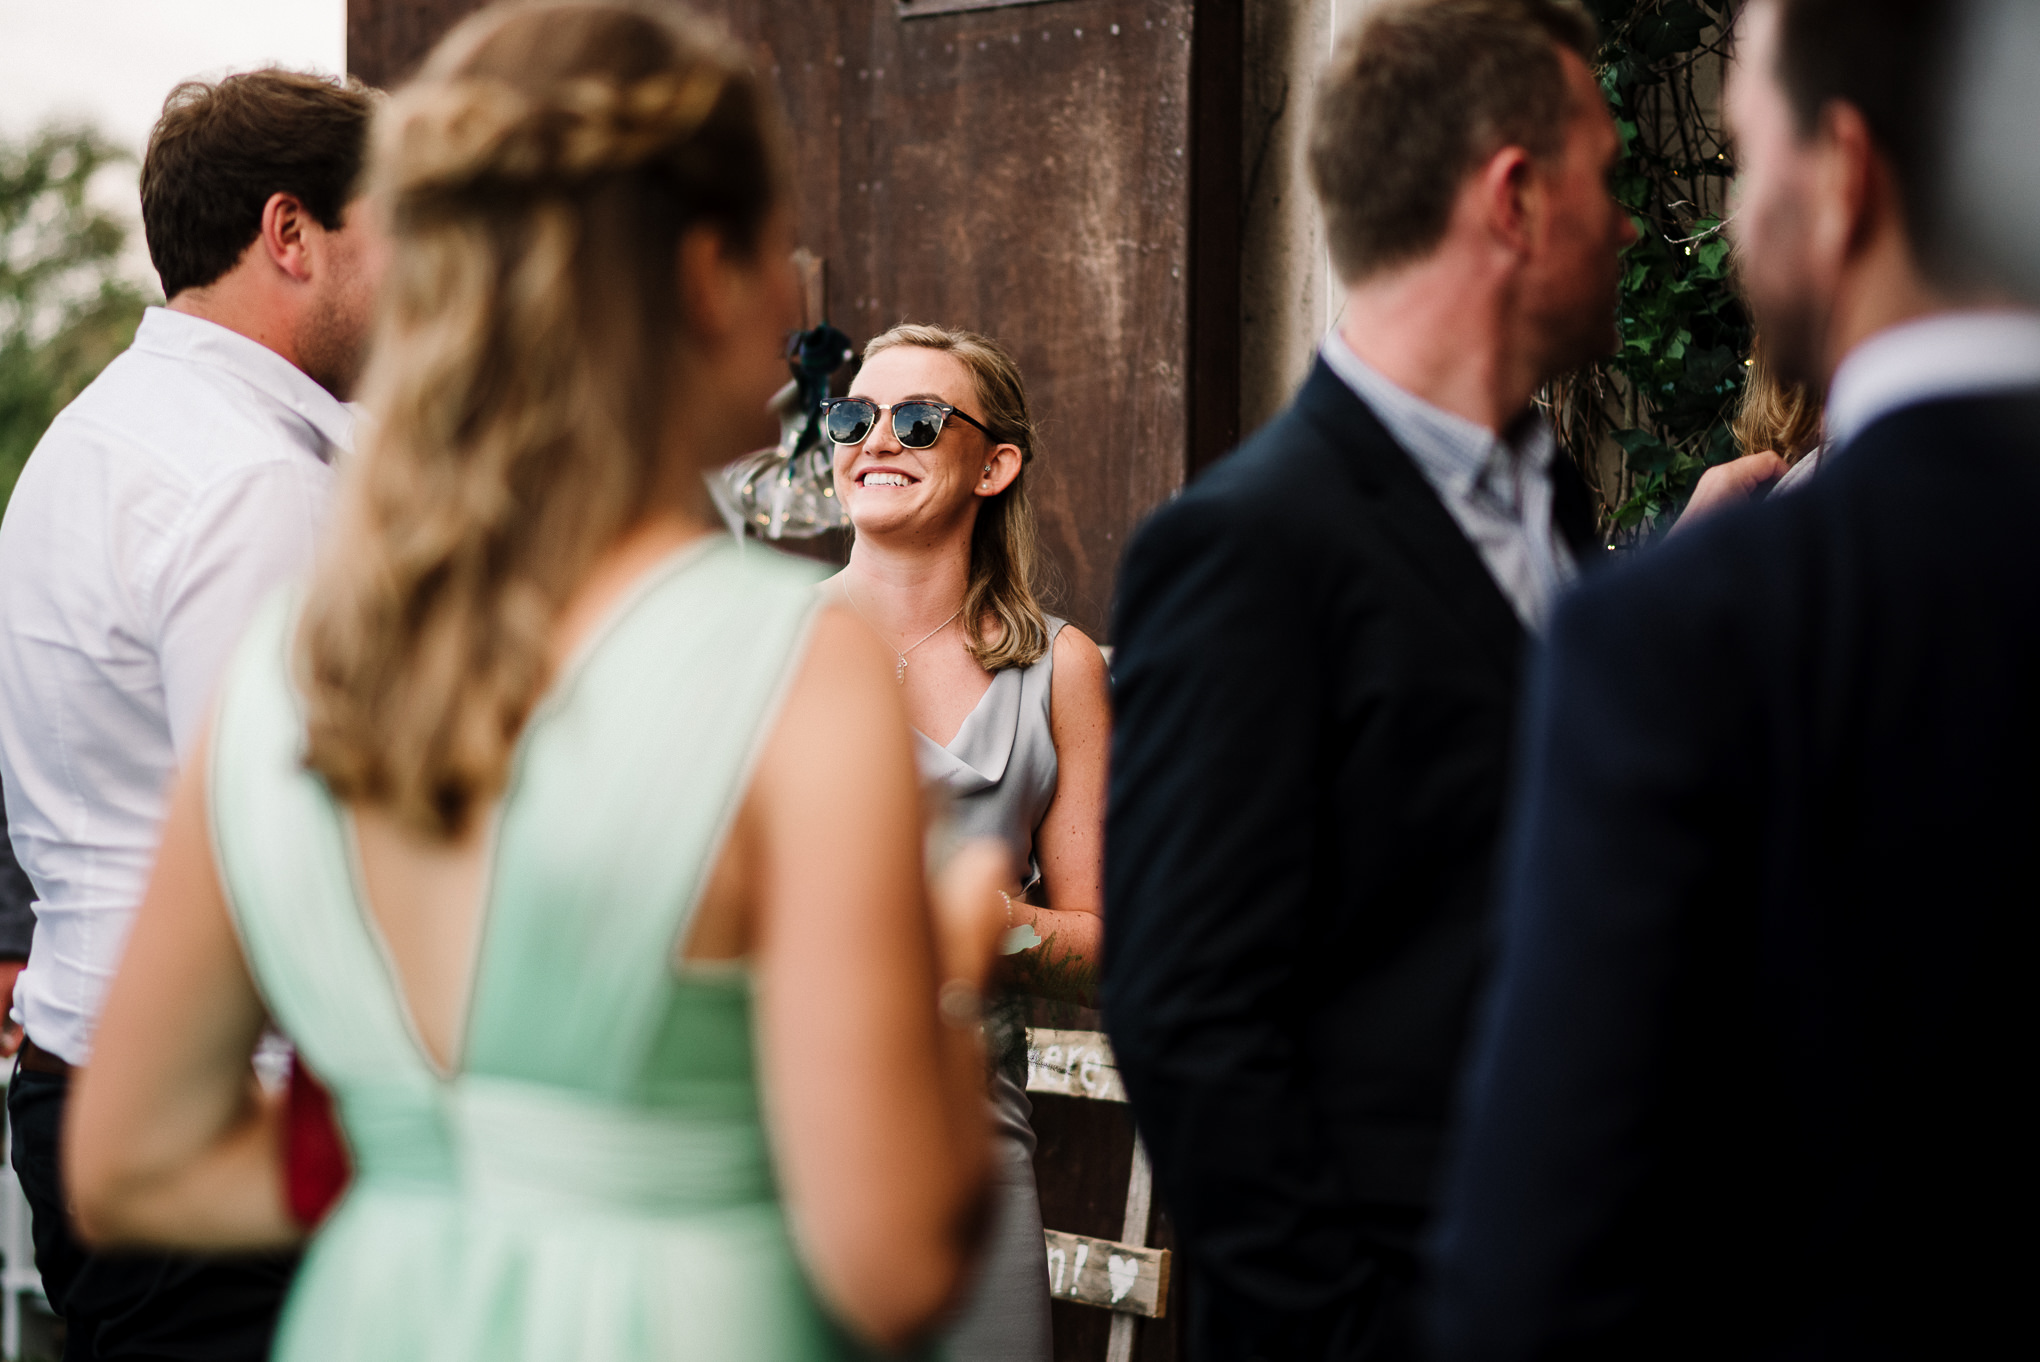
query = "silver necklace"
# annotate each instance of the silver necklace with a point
(899, 672)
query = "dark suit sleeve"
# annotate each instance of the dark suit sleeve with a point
(1629, 817)
(1219, 726)
(17, 918)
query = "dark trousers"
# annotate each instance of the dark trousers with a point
(1376, 1323)
(133, 1306)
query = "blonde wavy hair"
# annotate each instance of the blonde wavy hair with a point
(1006, 563)
(1774, 414)
(537, 179)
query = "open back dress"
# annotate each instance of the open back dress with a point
(594, 1178)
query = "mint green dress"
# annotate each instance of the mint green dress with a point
(595, 1181)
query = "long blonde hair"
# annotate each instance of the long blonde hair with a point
(537, 179)
(1775, 415)
(1005, 545)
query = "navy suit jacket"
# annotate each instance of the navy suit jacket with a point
(1755, 1079)
(1315, 688)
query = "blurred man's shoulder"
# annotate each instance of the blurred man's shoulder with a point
(1285, 480)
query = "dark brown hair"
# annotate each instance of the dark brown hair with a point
(220, 151)
(538, 177)
(1419, 94)
(1888, 59)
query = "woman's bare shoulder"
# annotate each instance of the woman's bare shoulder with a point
(1078, 661)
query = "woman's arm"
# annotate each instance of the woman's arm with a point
(1070, 844)
(168, 1141)
(877, 1107)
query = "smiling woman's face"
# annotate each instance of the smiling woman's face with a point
(888, 489)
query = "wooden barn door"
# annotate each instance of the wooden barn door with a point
(1063, 174)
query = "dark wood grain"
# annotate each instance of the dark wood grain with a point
(1026, 171)
(1082, 1159)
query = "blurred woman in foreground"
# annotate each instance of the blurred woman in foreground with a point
(1009, 709)
(528, 825)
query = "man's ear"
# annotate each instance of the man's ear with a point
(285, 226)
(1857, 195)
(1510, 195)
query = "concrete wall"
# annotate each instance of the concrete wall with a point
(1288, 294)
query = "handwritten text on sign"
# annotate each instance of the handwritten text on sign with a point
(1119, 1277)
(1073, 1064)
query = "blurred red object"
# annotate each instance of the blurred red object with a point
(316, 1168)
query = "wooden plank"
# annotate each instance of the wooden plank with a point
(1140, 1190)
(1073, 1064)
(920, 9)
(1108, 1274)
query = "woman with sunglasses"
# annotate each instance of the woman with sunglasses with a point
(932, 448)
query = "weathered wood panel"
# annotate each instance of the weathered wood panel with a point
(916, 9)
(1073, 1064)
(1109, 1275)
(1034, 171)
(1083, 1160)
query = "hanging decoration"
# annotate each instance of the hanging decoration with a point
(788, 491)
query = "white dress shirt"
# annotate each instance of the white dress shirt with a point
(1950, 354)
(178, 490)
(1496, 487)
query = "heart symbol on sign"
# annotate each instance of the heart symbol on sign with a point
(1124, 1272)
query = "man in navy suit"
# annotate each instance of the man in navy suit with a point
(1753, 1080)
(1318, 659)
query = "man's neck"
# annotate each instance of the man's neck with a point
(1886, 290)
(225, 305)
(1438, 330)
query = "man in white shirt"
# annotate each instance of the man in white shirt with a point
(181, 487)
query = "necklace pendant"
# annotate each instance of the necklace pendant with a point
(900, 672)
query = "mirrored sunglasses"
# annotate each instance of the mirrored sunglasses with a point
(916, 425)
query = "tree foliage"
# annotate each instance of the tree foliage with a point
(1647, 422)
(65, 310)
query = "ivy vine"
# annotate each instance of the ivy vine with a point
(1647, 422)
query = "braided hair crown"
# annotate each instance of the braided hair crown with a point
(475, 133)
(537, 180)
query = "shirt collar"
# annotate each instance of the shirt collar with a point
(1454, 451)
(194, 340)
(1951, 354)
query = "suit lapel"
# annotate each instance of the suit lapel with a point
(1413, 520)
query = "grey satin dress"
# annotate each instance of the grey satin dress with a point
(999, 773)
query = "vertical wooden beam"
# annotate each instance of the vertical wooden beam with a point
(1217, 75)
(386, 39)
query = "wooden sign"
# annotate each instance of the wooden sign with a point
(914, 9)
(1073, 1064)
(1114, 1276)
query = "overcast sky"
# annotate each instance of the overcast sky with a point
(110, 62)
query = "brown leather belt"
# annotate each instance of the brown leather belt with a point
(37, 1060)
